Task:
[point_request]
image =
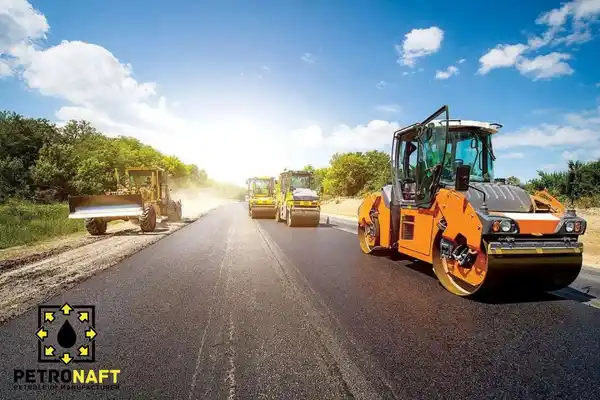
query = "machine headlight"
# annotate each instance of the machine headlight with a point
(570, 226)
(505, 225)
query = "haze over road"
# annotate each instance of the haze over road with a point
(230, 307)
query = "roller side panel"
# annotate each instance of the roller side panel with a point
(385, 222)
(460, 218)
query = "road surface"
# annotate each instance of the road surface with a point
(229, 307)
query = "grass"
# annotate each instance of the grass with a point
(23, 222)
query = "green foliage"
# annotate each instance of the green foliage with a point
(23, 222)
(513, 180)
(42, 162)
(579, 184)
(351, 174)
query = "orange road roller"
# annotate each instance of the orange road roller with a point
(444, 207)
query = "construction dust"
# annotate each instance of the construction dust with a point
(196, 201)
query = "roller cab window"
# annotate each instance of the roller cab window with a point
(471, 147)
(300, 182)
(262, 187)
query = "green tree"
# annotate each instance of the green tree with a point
(513, 180)
(379, 170)
(347, 175)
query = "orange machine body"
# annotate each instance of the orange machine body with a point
(472, 234)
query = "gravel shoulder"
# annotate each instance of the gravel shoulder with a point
(31, 274)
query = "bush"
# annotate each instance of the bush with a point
(23, 222)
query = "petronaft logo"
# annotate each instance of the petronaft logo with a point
(66, 334)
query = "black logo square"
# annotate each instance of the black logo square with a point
(66, 334)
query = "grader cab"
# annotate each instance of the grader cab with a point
(444, 207)
(141, 196)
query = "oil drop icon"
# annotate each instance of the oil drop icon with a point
(66, 335)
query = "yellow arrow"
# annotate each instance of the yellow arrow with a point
(66, 309)
(90, 333)
(84, 316)
(48, 350)
(83, 351)
(48, 316)
(42, 334)
(66, 358)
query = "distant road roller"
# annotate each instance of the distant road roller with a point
(261, 197)
(444, 207)
(298, 204)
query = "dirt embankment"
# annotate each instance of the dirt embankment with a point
(31, 274)
(591, 239)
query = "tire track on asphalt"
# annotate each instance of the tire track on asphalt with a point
(215, 294)
(329, 331)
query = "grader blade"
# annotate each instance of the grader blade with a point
(105, 206)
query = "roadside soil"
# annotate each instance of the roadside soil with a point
(591, 238)
(31, 274)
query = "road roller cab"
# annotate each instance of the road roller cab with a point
(298, 203)
(261, 197)
(444, 207)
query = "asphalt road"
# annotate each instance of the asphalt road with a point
(228, 307)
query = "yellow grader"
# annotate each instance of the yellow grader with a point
(142, 197)
(444, 207)
(297, 203)
(261, 197)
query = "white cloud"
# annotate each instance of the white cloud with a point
(381, 84)
(419, 43)
(577, 138)
(309, 58)
(20, 23)
(462, 60)
(375, 134)
(5, 69)
(265, 68)
(501, 56)
(84, 74)
(20, 28)
(389, 108)
(450, 71)
(511, 155)
(569, 24)
(582, 14)
(547, 66)
(556, 17)
(311, 136)
(546, 135)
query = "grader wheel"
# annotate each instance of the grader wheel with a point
(96, 226)
(148, 219)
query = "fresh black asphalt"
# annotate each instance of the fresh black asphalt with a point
(230, 307)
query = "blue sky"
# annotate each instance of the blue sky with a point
(250, 87)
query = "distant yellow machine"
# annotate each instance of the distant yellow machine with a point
(297, 203)
(261, 197)
(142, 197)
(444, 207)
